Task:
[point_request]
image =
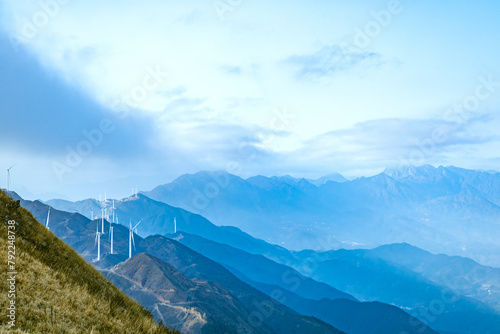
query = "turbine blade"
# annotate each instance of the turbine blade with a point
(137, 224)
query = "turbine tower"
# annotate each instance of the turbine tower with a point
(91, 214)
(47, 222)
(175, 225)
(131, 237)
(8, 177)
(102, 220)
(98, 241)
(106, 214)
(111, 233)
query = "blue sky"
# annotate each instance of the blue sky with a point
(150, 90)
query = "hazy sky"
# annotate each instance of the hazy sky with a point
(104, 95)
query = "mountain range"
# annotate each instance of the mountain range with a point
(260, 313)
(443, 210)
(412, 203)
(193, 266)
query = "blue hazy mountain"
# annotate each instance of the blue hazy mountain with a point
(304, 295)
(368, 276)
(334, 177)
(351, 316)
(460, 274)
(443, 210)
(260, 268)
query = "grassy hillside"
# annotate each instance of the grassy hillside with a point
(56, 290)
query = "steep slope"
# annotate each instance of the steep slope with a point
(264, 311)
(192, 306)
(56, 290)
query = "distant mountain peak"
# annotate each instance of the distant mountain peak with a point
(410, 171)
(334, 177)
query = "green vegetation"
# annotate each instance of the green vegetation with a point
(56, 290)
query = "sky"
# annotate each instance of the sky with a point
(102, 96)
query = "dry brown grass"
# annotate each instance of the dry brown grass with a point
(57, 291)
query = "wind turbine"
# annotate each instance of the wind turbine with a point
(98, 241)
(131, 237)
(102, 219)
(47, 222)
(106, 207)
(111, 234)
(8, 177)
(91, 214)
(175, 225)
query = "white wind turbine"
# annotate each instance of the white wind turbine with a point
(106, 213)
(111, 236)
(102, 220)
(131, 237)
(175, 225)
(8, 177)
(47, 222)
(98, 241)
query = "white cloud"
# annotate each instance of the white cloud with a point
(226, 79)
